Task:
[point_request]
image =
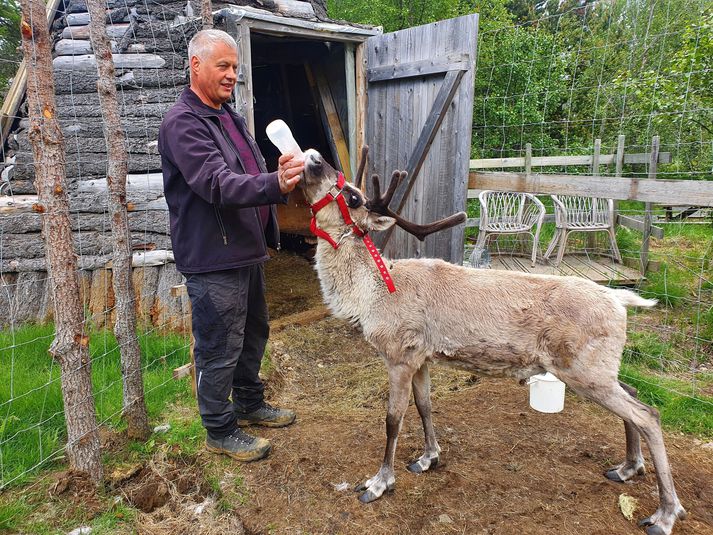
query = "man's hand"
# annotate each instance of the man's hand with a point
(288, 172)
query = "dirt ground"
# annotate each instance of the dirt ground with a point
(505, 468)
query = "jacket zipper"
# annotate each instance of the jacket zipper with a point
(220, 224)
(242, 164)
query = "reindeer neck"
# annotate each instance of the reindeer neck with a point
(349, 278)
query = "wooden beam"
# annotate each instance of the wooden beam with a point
(264, 22)
(294, 8)
(619, 167)
(683, 192)
(428, 132)
(350, 77)
(183, 371)
(178, 290)
(13, 205)
(16, 93)
(436, 65)
(433, 122)
(87, 62)
(653, 167)
(361, 102)
(82, 32)
(244, 86)
(418, 156)
(548, 161)
(332, 126)
(637, 224)
(591, 238)
(70, 47)
(300, 318)
(335, 125)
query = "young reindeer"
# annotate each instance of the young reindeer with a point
(483, 321)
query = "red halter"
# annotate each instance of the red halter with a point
(333, 194)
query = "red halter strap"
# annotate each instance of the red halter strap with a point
(335, 193)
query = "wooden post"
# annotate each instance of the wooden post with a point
(591, 238)
(134, 405)
(361, 104)
(70, 346)
(244, 87)
(528, 159)
(207, 14)
(350, 75)
(619, 169)
(332, 126)
(653, 164)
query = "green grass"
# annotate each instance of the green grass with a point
(11, 514)
(32, 427)
(680, 407)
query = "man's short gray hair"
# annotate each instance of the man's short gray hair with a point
(204, 40)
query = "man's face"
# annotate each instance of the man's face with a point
(214, 77)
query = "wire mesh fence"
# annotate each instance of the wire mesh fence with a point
(32, 423)
(559, 81)
(563, 80)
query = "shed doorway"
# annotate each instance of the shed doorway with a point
(284, 71)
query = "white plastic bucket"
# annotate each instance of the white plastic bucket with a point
(546, 393)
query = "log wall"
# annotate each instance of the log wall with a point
(149, 42)
(26, 297)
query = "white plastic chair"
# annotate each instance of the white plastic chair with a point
(582, 214)
(505, 212)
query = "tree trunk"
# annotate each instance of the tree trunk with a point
(70, 346)
(207, 14)
(134, 408)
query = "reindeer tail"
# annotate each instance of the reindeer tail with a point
(631, 299)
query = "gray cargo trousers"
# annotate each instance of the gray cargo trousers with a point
(230, 328)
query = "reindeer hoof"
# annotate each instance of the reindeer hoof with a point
(420, 465)
(361, 487)
(646, 522)
(655, 530)
(613, 475)
(368, 497)
(415, 467)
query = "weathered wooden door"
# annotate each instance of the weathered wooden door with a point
(419, 119)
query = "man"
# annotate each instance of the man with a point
(220, 199)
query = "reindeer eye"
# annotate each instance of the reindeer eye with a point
(353, 200)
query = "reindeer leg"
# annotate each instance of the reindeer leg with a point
(421, 384)
(610, 395)
(634, 463)
(399, 391)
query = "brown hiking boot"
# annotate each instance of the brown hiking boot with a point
(266, 415)
(240, 446)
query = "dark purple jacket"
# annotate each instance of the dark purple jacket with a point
(212, 203)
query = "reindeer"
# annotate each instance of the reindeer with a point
(483, 321)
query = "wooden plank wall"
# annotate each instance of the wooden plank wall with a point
(397, 111)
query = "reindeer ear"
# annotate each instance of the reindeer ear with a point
(379, 222)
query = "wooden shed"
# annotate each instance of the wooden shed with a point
(408, 95)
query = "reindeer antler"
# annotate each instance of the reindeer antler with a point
(380, 205)
(362, 164)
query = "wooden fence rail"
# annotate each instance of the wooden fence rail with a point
(668, 192)
(650, 190)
